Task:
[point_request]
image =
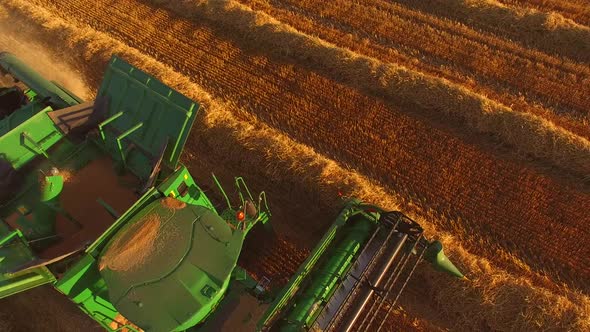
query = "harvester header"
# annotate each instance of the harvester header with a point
(360, 267)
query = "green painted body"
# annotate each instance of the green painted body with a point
(436, 256)
(144, 116)
(14, 250)
(48, 207)
(296, 301)
(173, 285)
(29, 139)
(177, 283)
(309, 303)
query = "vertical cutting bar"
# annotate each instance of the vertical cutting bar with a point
(392, 304)
(373, 284)
(388, 286)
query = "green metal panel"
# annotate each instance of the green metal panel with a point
(15, 252)
(181, 281)
(31, 138)
(290, 290)
(191, 195)
(15, 119)
(143, 116)
(85, 287)
(324, 280)
(45, 211)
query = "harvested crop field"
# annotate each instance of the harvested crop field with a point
(471, 116)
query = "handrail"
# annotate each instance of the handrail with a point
(122, 136)
(106, 122)
(10, 236)
(261, 199)
(222, 191)
(36, 144)
(239, 180)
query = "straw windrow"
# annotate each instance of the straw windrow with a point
(548, 31)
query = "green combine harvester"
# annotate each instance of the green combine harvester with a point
(94, 201)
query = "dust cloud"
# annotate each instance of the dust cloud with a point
(17, 39)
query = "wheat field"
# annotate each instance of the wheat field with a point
(470, 116)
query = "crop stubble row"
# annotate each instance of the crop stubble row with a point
(491, 195)
(578, 11)
(277, 260)
(546, 31)
(487, 64)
